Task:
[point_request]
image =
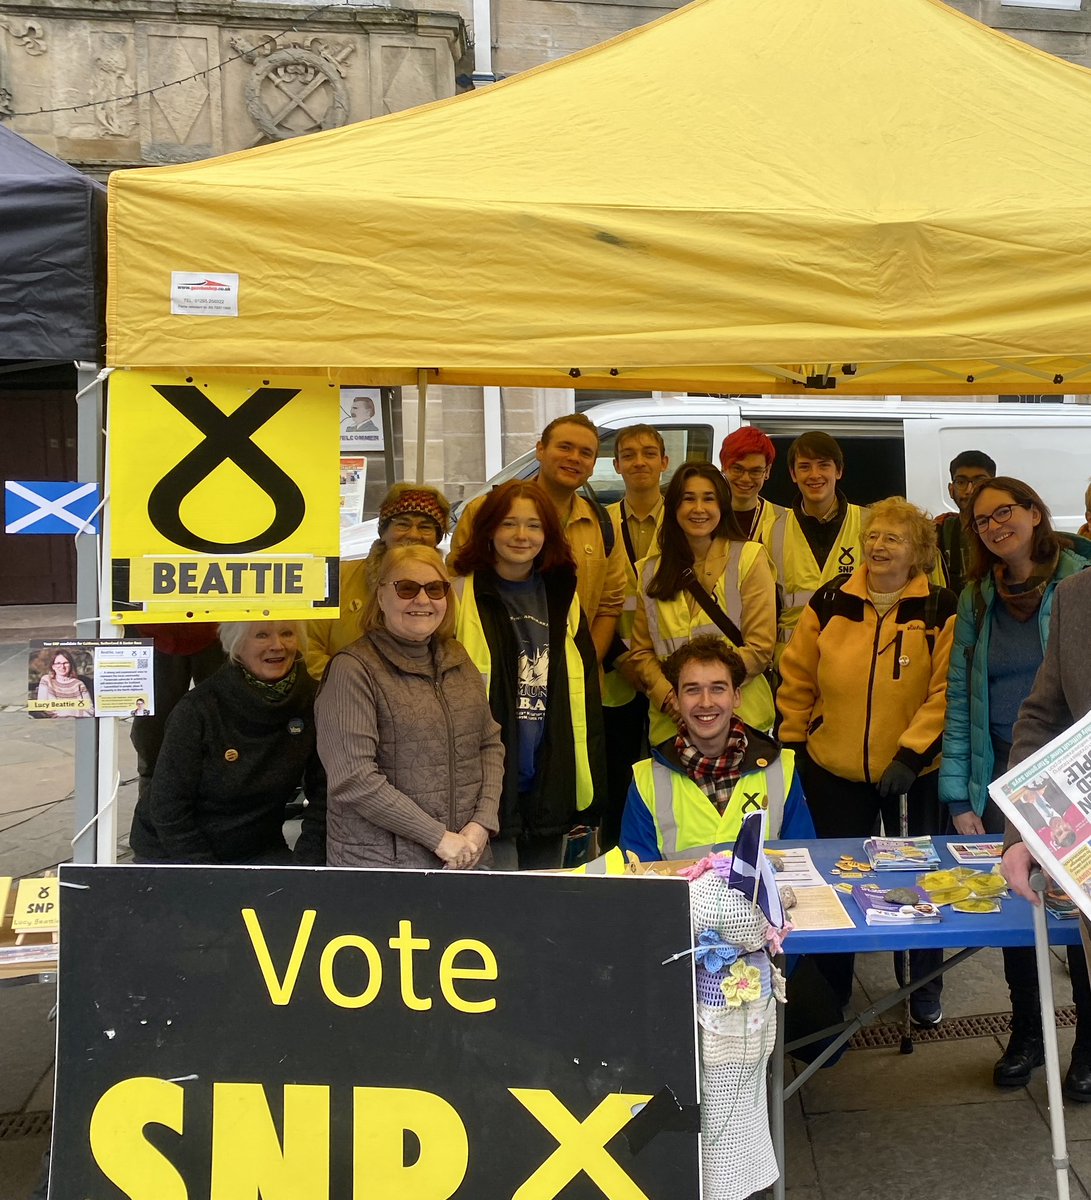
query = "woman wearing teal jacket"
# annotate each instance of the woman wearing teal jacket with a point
(1000, 636)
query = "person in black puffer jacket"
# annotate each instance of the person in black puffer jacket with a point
(236, 750)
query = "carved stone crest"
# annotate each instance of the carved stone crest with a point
(296, 87)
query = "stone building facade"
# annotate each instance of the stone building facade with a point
(84, 79)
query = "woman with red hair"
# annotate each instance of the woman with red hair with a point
(746, 458)
(520, 621)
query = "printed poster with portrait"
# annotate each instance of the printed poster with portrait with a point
(361, 420)
(100, 677)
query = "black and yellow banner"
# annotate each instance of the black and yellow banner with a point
(372, 1035)
(223, 497)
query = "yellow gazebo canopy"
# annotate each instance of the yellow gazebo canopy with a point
(744, 196)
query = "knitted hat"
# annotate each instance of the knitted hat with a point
(426, 501)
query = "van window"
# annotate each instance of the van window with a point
(684, 443)
(874, 459)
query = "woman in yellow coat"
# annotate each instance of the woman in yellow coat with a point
(703, 563)
(864, 693)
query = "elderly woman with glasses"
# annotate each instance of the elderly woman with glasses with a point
(1000, 639)
(413, 756)
(236, 749)
(863, 694)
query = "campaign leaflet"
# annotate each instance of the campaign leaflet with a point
(1047, 797)
(91, 677)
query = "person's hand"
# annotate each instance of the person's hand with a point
(1015, 867)
(896, 779)
(478, 836)
(670, 707)
(458, 852)
(968, 824)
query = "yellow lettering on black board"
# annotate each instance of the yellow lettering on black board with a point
(405, 943)
(374, 967)
(280, 992)
(117, 1138)
(380, 1117)
(448, 973)
(248, 1160)
(582, 1145)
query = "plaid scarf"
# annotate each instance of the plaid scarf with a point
(716, 777)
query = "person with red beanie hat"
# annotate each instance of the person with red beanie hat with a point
(745, 459)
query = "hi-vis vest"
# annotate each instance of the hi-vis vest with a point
(768, 515)
(687, 824)
(671, 624)
(797, 571)
(616, 690)
(469, 632)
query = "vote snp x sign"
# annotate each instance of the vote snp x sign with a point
(322, 1034)
(223, 498)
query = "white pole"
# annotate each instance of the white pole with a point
(1049, 1037)
(422, 420)
(492, 410)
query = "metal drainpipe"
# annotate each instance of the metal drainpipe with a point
(492, 405)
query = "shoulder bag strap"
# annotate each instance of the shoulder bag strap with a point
(712, 610)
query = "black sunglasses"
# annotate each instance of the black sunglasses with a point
(409, 589)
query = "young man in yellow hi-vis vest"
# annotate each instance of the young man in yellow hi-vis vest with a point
(693, 793)
(640, 458)
(746, 458)
(818, 538)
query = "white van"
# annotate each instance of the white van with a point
(892, 447)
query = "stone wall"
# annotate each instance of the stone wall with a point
(84, 78)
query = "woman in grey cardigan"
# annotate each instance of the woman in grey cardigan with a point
(412, 754)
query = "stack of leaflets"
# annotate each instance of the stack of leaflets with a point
(901, 854)
(914, 907)
(973, 854)
(1060, 905)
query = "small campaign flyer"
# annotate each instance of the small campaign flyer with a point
(92, 677)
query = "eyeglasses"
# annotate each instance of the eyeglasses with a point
(747, 472)
(964, 482)
(410, 589)
(1001, 515)
(884, 539)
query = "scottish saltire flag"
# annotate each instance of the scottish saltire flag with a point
(751, 871)
(50, 507)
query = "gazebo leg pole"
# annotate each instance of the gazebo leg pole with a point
(1049, 1038)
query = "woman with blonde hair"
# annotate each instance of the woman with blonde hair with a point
(412, 753)
(863, 698)
(235, 751)
(411, 514)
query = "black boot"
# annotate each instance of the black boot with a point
(1025, 1052)
(1077, 1083)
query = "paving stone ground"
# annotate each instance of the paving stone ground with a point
(877, 1126)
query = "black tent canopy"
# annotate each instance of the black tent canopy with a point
(52, 257)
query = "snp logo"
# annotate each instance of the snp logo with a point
(846, 561)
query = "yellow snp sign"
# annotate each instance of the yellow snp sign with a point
(223, 497)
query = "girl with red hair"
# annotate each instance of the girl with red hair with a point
(520, 621)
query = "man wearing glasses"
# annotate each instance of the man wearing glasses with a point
(746, 457)
(968, 469)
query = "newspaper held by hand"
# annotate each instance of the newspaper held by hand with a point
(1047, 797)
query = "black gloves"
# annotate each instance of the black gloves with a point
(897, 778)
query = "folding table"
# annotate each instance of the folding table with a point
(1014, 925)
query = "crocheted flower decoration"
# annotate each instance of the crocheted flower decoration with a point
(742, 985)
(713, 953)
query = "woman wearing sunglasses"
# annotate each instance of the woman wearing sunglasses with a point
(863, 685)
(521, 622)
(1000, 638)
(412, 754)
